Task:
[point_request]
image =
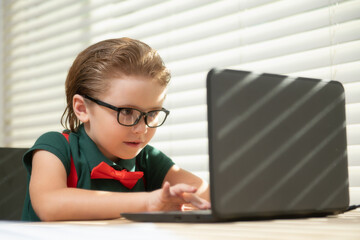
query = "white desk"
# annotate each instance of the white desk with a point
(344, 226)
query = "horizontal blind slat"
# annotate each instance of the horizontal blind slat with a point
(182, 115)
(86, 6)
(352, 92)
(187, 82)
(54, 55)
(192, 162)
(305, 60)
(29, 134)
(286, 29)
(36, 9)
(34, 123)
(354, 195)
(354, 155)
(353, 113)
(353, 134)
(34, 73)
(36, 97)
(183, 5)
(265, 21)
(186, 98)
(123, 7)
(183, 131)
(129, 20)
(237, 41)
(57, 106)
(183, 147)
(20, 5)
(345, 73)
(39, 84)
(38, 20)
(354, 176)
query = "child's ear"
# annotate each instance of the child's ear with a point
(80, 108)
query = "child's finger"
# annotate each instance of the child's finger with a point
(179, 189)
(166, 190)
(197, 201)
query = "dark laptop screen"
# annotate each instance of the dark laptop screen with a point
(276, 143)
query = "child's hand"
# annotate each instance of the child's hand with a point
(170, 198)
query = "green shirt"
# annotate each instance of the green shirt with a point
(86, 156)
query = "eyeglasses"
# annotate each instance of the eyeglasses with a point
(131, 116)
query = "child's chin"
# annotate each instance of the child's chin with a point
(131, 155)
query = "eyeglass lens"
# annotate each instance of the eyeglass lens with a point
(129, 116)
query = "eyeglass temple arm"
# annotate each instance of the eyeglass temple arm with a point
(102, 103)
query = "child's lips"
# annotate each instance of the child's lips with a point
(133, 144)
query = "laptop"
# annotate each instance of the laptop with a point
(13, 183)
(277, 149)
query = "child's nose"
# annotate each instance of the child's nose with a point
(140, 127)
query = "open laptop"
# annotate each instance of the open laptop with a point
(277, 148)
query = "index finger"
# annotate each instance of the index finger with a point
(179, 189)
(196, 201)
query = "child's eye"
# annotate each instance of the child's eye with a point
(127, 111)
(153, 114)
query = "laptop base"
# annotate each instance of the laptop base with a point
(205, 216)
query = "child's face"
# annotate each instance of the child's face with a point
(117, 141)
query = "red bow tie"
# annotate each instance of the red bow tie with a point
(128, 179)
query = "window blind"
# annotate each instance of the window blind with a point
(319, 39)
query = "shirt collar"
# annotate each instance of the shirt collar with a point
(94, 156)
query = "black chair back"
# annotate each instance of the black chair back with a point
(13, 182)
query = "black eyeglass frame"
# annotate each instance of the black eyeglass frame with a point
(118, 110)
